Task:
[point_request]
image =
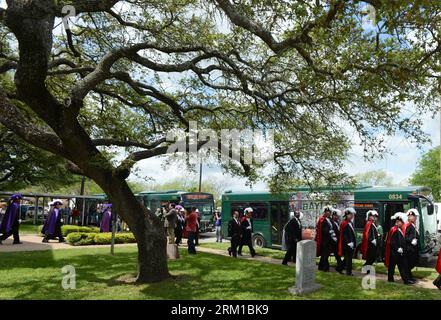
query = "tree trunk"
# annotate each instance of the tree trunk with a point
(147, 228)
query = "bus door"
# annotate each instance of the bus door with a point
(389, 209)
(279, 217)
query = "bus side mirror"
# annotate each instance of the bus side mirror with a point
(430, 209)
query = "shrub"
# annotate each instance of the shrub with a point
(103, 238)
(127, 237)
(89, 238)
(68, 229)
(74, 237)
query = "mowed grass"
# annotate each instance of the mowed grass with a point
(38, 275)
(419, 272)
(29, 228)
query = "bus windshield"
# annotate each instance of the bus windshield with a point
(205, 209)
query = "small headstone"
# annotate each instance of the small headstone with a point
(305, 268)
(172, 251)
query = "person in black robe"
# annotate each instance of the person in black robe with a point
(247, 232)
(335, 220)
(323, 238)
(370, 239)
(10, 223)
(235, 233)
(396, 250)
(412, 237)
(180, 223)
(292, 234)
(347, 241)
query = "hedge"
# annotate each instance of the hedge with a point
(68, 229)
(89, 238)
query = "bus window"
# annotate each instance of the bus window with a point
(239, 206)
(360, 218)
(260, 210)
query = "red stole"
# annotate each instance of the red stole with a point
(318, 234)
(438, 264)
(343, 225)
(365, 239)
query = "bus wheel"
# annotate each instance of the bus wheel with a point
(258, 241)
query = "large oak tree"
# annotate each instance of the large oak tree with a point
(127, 72)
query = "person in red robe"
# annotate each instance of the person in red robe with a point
(370, 239)
(323, 238)
(347, 241)
(437, 281)
(396, 249)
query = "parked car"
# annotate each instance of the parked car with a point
(31, 210)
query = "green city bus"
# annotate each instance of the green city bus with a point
(271, 211)
(155, 200)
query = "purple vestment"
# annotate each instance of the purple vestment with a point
(49, 225)
(105, 221)
(11, 215)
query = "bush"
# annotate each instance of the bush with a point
(89, 238)
(68, 229)
(103, 238)
(127, 237)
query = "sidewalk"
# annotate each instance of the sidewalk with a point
(33, 243)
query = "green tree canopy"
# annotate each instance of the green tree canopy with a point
(22, 165)
(374, 178)
(428, 172)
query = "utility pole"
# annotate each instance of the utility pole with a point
(440, 143)
(200, 176)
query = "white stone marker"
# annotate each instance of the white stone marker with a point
(305, 268)
(172, 251)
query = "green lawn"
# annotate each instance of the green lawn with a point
(37, 275)
(419, 272)
(28, 228)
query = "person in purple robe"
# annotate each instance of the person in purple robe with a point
(53, 223)
(11, 220)
(106, 220)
